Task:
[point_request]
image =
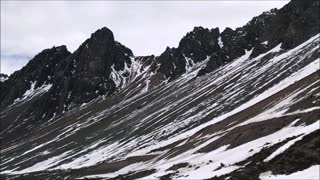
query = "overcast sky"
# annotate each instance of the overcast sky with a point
(146, 27)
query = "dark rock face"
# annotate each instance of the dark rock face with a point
(291, 25)
(85, 74)
(200, 43)
(3, 77)
(195, 47)
(95, 55)
(75, 78)
(40, 70)
(172, 63)
(216, 60)
(296, 22)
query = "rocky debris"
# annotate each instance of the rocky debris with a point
(178, 166)
(134, 175)
(87, 171)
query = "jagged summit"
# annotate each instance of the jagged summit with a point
(3, 77)
(73, 78)
(238, 104)
(40, 70)
(104, 31)
(61, 48)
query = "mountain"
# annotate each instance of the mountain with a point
(3, 77)
(237, 104)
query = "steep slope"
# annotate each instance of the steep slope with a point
(240, 104)
(163, 127)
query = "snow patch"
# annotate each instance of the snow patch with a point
(309, 173)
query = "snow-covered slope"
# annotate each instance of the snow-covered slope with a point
(253, 117)
(237, 104)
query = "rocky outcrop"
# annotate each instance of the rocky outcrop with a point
(73, 78)
(3, 77)
(40, 70)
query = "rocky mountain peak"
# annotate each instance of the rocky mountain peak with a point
(94, 56)
(101, 38)
(199, 43)
(102, 33)
(289, 26)
(48, 55)
(73, 78)
(40, 70)
(3, 77)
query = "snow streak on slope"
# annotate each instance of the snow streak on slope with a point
(310, 173)
(205, 169)
(32, 92)
(188, 120)
(123, 77)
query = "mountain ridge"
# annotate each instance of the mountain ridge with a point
(234, 104)
(202, 43)
(101, 66)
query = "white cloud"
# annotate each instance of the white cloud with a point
(11, 64)
(146, 27)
